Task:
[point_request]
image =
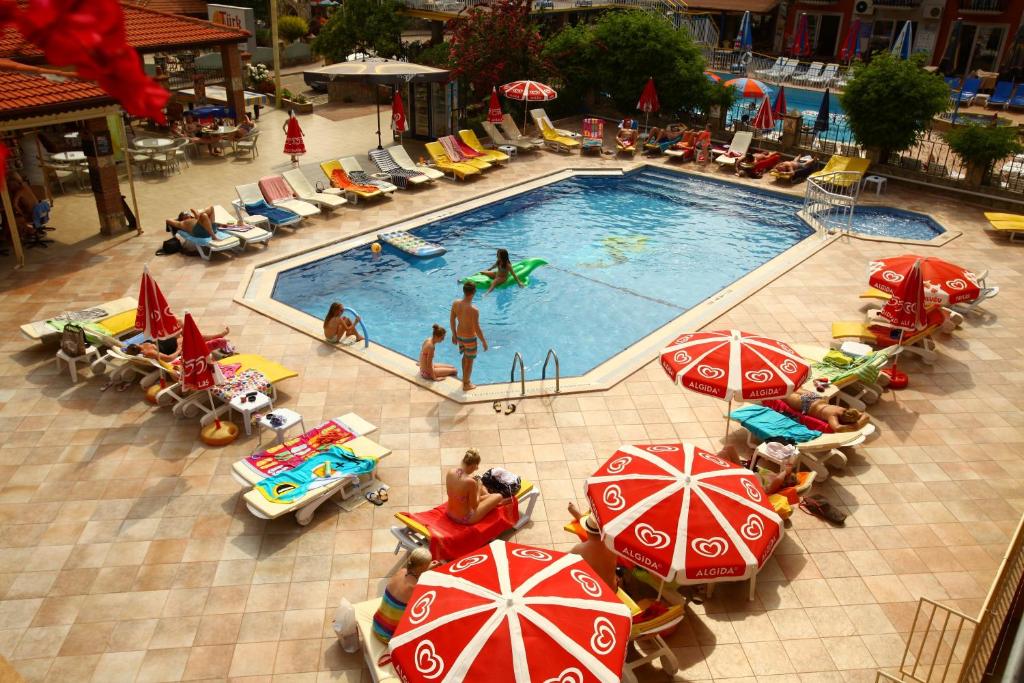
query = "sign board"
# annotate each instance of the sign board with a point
(235, 17)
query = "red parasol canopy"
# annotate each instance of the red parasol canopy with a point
(398, 123)
(509, 612)
(779, 106)
(906, 305)
(945, 283)
(648, 98)
(153, 316)
(685, 514)
(528, 91)
(731, 363)
(764, 120)
(198, 370)
(494, 113)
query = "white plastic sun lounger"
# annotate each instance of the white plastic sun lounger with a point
(813, 71)
(304, 507)
(826, 76)
(773, 70)
(207, 246)
(42, 330)
(522, 144)
(277, 193)
(737, 150)
(541, 119)
(306, 192)
(372, 648)
(359, 175)
(247, 233)
(403, 159)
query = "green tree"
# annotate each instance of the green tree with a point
(890, 101)
(292, 28)
(495, 44)
(368, 26)
(621, 50)
(979, 146)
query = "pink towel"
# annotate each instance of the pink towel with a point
(274, 188)
(451, 149)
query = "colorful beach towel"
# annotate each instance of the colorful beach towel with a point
(242, 383)
(298, 450)
(449, 539)
(336, 463)
(764, 423)
(864, 369)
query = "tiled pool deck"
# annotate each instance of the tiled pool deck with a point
(127, 554)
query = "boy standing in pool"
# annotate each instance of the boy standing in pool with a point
(465, 323)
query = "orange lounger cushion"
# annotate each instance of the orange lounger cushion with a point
(340, 179)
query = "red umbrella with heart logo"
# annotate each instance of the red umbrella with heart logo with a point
(686, 515)
(731, 363)
(944, 283)
(494, 113)
(509, 613)
(199, 372)
(153, 316)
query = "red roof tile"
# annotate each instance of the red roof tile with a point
(30, 91)
(175, 6)
(147, 30)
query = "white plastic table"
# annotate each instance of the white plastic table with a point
(289, 418)
(878, 181)
(510, 150)
(154, 143)
(66, 157)
(246, 408)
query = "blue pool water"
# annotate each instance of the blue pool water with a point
(627, 255)
(888, 222)
(808, 102)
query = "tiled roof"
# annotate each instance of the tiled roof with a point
(147, 30)
(175, 6)
(30, 91)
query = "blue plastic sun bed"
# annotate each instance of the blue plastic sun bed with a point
(1017, 101)
(1001, 94)
(275, 214)
(970, 90)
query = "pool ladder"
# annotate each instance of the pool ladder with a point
(362, 325)
(517, 362)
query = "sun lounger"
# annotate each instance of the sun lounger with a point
(355, 171)
(593, 135)
(253, 204)
(443, 163)
(415, 529)
(816, 448)
(969, 91)
(206, 246)
(277, 193)
(824, 77)
(1017, 101)
(853, 165)
(468, 141)
(459, 155)
(305, 191)
(1009, 223)
(656, 147)
(541, 119)
(348, 431)
(496, 136)
(224, 221)
(805, 166)
(1000, 95)
(789, 68)
(880, 335)
(372, 648)
(757, 168)
(857, 385)
(772, 71)
(353, 190)
(401, 177)
(813, 71)
(556, 142)
(108, 314)
(685, 148)
(512, 132)
(403, 159)
(737, 150)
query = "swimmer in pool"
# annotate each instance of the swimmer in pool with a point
(501, 271)
(428, 368)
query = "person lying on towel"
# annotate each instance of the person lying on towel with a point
(838, 418)
(468, 500)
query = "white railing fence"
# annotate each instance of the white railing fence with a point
(830, 200)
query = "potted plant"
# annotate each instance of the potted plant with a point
(259, 77)
(296, 102)
(979, 146)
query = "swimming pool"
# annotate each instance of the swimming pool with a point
(628, 254)
(807, 102)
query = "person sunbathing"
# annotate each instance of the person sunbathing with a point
(428, 368)
(838, 418)
(337, 326)
(468, 500)
(794, 165)
(626, 137)
(594, 552)
(169, 348)
(194, 222)
(669, 132)
(396, 596)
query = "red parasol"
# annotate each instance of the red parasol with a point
(398, 123)
(686, 515)
(153, 316)
(801, 41)
(509, 612)
(779, 106)
(764, 120)
(199, 372)
(648, 101)
(945, 283)
(494, 112)
(528, 91)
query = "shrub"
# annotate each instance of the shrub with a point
(981, 145)
(292, 28)
(890, 101)
(369, 26)
(263, 37)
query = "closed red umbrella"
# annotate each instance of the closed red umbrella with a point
(648, 101)
(906, 305)
(801, 41)
(765, 119)
(153, 316)
(398, 122)
(945, 283)
(509, 613)
(199, 372)
(686, 515)
(779, 106)
(494, 112)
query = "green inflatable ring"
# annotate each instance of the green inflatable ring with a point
(521, 268)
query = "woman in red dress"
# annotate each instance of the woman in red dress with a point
(293, 143)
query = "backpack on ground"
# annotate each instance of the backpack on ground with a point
(171, 246)
(72, 340)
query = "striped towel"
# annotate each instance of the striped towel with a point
(365, 178)
(399, 176)
(451, 149)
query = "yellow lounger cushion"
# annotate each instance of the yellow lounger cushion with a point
(525, 486)
(1007, 226)
(120, 323)
(274, 372)
(994, 216)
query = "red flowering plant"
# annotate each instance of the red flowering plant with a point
(89, 36)
(495, 44)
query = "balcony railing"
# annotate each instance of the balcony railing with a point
(992, 6)
(898, 4)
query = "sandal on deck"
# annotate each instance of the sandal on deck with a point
(374, 498)
(819, 506)
(382, 494)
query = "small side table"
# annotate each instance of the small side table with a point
(878, 181)
(289, 418)
(510, 150)
(247, 408)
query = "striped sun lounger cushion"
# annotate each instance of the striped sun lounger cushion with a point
(399, 176)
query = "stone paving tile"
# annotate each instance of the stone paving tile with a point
(126, 552)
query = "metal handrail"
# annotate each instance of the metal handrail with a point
(518, 358)
(544, 370)
(362, 325)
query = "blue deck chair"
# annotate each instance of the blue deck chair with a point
(1017, 101)
(970, 90)
(275, 214)
(1001, 95)
(954, 86)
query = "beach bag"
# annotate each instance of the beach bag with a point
(498, 480)
(72, 341)
(171, 246)
(345, 627)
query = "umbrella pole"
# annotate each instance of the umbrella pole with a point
(213, 407)
(661, 587)
(728, 419)
(526, 107)
(377, 97)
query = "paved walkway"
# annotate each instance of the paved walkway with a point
(126, 554)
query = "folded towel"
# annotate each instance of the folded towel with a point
(764, 423)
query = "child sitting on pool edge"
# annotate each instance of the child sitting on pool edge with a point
(428, 368)
(337, 326)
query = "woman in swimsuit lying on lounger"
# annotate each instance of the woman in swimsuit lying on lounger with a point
(195, 223)
(468, 500)
(428, 368)
(169, 349)
(838, 418)
(337, 326)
